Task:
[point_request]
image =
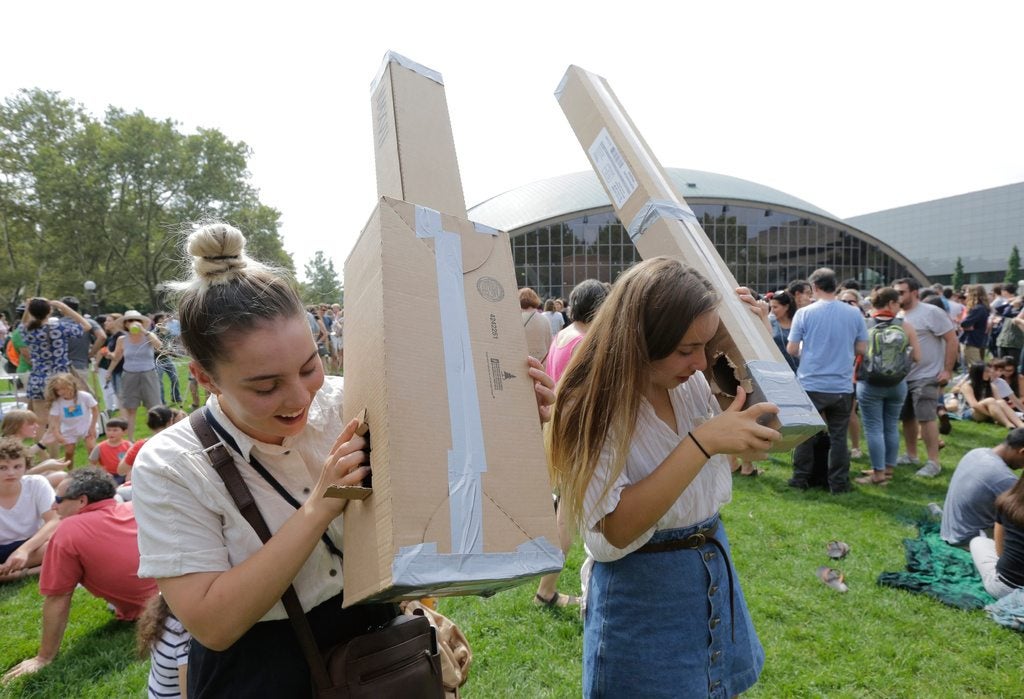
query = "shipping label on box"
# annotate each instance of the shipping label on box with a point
(436, 355)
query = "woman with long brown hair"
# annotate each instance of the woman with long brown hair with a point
(638, 451)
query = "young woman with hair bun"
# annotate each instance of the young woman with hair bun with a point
(245, 331)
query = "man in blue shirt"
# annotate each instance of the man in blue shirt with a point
(826, 336)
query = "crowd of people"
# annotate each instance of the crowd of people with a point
(640, 475)
(85, 380)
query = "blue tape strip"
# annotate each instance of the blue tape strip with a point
(422, 565)
(392, 57)
(655, 209)
(467, 459)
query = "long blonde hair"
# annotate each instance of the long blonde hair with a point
(646, 314)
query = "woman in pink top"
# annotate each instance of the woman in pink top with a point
(584, 301)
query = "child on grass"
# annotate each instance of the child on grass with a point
(27, 517)
(161, 637)
(23, 426)
(158, 419)
(111, 450)
(73, 415)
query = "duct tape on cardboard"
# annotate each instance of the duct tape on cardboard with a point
(392, 57)
(775, 382)
(467, 459)
(655, 209)
(421, 566)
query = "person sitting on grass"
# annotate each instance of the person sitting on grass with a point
(158, 419)
(27, 519)
(160, 637)
(94, 545)
(111, 450)
(979, 478)
(23, 425)
(1000, 560)
(986, 397)
(73, 415)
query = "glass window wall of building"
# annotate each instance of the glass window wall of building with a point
(764, 249)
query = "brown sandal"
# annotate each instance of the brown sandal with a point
(832, 578)
(871, 480)
(557, 600)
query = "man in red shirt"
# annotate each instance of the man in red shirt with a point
(95, 545)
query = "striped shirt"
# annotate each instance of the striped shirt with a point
(169, 653)
(653, 441)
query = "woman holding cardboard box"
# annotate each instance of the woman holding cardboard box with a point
(638, 449)
(278, 417)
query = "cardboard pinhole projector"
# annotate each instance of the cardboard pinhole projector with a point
(436, 356)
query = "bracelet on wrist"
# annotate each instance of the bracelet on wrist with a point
(703, 451)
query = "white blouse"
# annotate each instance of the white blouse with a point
(653, 441)
(188, 522)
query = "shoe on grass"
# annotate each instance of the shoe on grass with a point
(557, 600)
(873, 478)
(935, 510)
(905, 460)
(837, 549)
(833, 578)
(929, 470)
(945, 426)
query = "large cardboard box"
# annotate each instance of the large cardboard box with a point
(660, 223)
(435, 354)
(414, 149)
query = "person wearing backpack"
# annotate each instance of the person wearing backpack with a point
(882, 382)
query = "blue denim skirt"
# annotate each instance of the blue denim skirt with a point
(660, 625)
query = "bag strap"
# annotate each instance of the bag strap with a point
(225, 467)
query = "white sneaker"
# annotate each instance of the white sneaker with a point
(856, 453)
(905, 460)
(929, 470)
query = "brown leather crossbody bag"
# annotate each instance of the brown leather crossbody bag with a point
(399, 660)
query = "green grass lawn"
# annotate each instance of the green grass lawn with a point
(870, 642)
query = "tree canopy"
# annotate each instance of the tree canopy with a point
(110, 200)
(322, 284)
(1012, 275)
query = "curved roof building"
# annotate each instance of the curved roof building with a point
(563, 230)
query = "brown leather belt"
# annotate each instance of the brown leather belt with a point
(695, 541)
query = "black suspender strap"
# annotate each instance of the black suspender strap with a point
(226, 438)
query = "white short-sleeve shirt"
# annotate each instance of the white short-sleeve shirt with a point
(652, 442)
(26, 517)
(75, 415)
(188, 522)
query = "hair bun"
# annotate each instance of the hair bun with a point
(218, 252)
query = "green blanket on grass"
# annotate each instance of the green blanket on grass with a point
(936, 569)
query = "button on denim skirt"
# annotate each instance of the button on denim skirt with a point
(659, 625)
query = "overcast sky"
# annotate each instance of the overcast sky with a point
(854, 107)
